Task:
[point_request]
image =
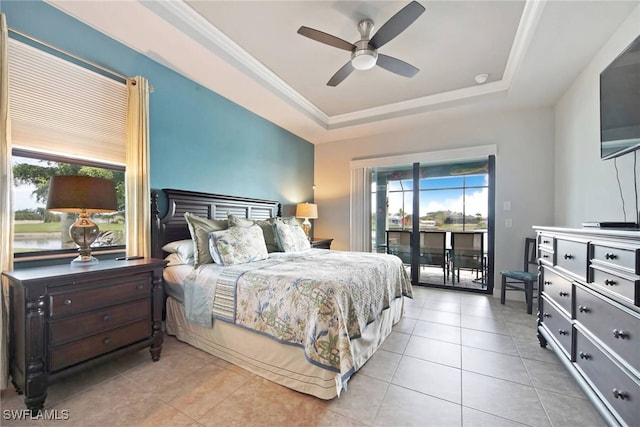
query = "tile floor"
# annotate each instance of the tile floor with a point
(455, 359)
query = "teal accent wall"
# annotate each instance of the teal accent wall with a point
(200, 141)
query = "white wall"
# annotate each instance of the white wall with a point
(586, 187)
(524, 172)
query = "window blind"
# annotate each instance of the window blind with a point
(59, 107)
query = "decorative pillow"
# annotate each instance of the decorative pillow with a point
(182, 249)
(267, 226)
(291, 238)
(200, 228)
(238, 245)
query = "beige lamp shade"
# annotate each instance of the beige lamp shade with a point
(69, 193)
(307, 210)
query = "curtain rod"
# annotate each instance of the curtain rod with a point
(85, 61)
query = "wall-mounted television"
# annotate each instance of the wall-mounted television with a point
(620, 104)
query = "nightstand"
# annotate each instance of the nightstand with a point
(63, 319)
(320, 243)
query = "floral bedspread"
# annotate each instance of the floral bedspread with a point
(316, 299)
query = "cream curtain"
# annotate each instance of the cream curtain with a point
(138, 191)
(6, 199)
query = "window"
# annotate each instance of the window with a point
(38, 231)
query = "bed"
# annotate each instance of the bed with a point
(307, 319)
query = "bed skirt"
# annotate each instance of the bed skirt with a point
(281, 363)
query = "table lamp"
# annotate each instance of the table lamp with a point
(307, 211)
(83, 195)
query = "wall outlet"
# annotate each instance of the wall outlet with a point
(508, 223)
(506, 205)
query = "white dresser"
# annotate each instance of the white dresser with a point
(589, 313)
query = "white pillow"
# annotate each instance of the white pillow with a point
(237, 245)
(174, 259)
(291, 238)
(184, 249)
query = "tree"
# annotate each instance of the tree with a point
(39, 176)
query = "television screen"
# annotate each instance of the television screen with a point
(620, 104)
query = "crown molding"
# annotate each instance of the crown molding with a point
(185, 18)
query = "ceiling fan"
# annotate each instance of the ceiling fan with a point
(364, 53)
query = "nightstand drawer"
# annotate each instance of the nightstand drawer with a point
(76, 327)
(99, 344)
(73, 302)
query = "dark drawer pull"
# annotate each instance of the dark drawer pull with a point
(545, 256)
(546, 315)
(609, 282)
(106, 317)
(583, 309)
(547, 282)
(620, 334)
(584, 355)
(106, 341)
(568, 256)
(563, 332)
(619, 394)
(610, 256)
(67, 302)
(563, 293)
(546, 242)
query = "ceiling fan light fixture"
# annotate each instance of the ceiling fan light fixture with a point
(364, 59)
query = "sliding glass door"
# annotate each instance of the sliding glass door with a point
(438, 219)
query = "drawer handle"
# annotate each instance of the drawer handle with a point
(546, 242)
(620, 334)
(563, 332)
(546, 315)
(568, 256)
(140, 287)
(67, 302)
(545, 256)
(583, 309)
(609, 282)
(547, 282)
(106, 317)
(619, 394)
(584, 355)
(106, 341)
(563, 293)
(610, 256)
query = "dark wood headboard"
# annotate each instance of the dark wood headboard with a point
(173, 226)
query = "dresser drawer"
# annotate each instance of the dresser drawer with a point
(617, 387)
(546, 241)
(76, 327)
(571, 256)
(77, 301)
(615, 326)
(625, 258)
(614, 283)
(557, 324)
(98, 344)
(546, 257)
(558, 289)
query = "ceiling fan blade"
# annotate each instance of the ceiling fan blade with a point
(341, 74)
(396, 66)
(396, 24)
(325, 38)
